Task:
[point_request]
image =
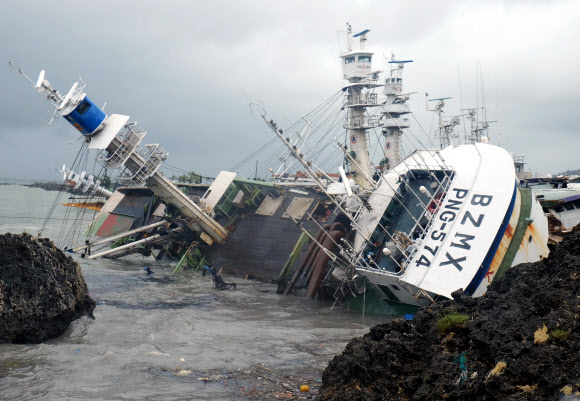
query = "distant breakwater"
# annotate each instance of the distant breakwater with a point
(47, 186)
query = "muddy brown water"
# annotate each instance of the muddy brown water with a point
(154, 336)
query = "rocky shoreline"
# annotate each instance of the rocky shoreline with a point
(41, 290)
(521, 341)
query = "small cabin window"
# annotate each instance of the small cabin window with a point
(399, 80)
(569, 206)
(364, 59)
(393, 80)
(349, 60)
(558, 209)
(83, 107)
(207, 193)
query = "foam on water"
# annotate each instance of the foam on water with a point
(148, 329)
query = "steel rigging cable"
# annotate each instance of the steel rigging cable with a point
(59, 195)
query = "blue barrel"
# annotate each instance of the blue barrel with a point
(86, 117)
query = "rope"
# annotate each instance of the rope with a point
(324, 115)
(58, 196)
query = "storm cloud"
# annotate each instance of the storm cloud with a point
(186, 71)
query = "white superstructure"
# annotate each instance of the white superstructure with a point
(362, 80)
(395, 109)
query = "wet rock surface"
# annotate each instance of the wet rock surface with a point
(521, 341)
(41, 290)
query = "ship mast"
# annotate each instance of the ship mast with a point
(357, 70)
(117, 141)
(297, 153)
(394, 107)
(446, 126)
(478, 129)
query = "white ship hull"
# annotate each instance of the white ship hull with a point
(469, 225)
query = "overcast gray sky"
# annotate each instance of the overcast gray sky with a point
(184, 70)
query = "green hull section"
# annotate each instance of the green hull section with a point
(373, 302)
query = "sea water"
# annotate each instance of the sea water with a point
(154, 336)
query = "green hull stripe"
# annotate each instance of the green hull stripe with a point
(285, 273)
(520, 231)
(373, 302)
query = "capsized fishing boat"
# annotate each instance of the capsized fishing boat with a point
(416, 227)
(438, 221)
(446, 220)
(243, 226)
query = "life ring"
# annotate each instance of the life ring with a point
(353, 139)
(436, 202)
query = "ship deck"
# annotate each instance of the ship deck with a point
(405, 219)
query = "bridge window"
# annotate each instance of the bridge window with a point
(364, 59)
(83, 107)
(349, 60)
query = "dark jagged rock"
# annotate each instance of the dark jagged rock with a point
(529, 321)
(41, 290)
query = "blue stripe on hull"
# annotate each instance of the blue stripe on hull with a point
(484, 268)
